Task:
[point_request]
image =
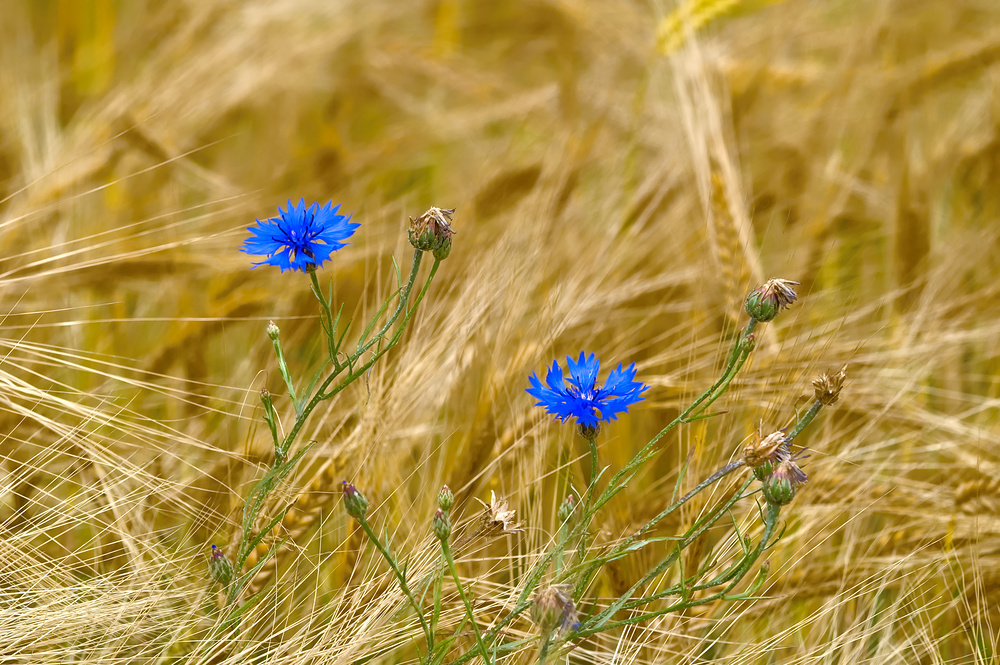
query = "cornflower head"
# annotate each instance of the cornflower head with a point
(432, 232)
(764, 302)
(580, 397)
(220, 568)
(781, 486)
(553, 607)
(497, 518)
(764, 452)
(299, 238)
(828, 386)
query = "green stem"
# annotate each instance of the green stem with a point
(805, 420)
(321, 395)
(693, 534)
(391, 560)
(770, 521)
(624, 545)
(465, 600)
(326, 316)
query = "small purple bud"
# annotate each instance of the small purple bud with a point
(441, 525)
(219, 567)
(354, 502)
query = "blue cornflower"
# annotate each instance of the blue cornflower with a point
(582, 399)
(299, 238)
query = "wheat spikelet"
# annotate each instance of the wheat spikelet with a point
(692, 16)
(725, 240)
(978, 497)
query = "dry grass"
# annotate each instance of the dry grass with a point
(609, 198)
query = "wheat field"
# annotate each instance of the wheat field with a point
(623, 173)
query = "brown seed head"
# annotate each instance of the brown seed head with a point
(763, 449)
(828, 386)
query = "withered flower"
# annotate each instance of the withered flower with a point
(764, 302)
(762, 452)
(828, 386)
(432, 232)
(497, 518)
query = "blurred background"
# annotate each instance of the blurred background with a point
(623, 174)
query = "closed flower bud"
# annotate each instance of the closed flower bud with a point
(445, 499)
(764, 302)
(354, 501)
(828, 386)
(781, 486)
(567, 509)
(441, 525)
(220, 569)
(432, 232)
(272, 330)
(553, 608)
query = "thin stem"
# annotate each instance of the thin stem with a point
(391, 560)
(624, 545)
(465, 600)
(693, 534)
(353, 375)
(807, 418)
(326, 316)
(770, 521)
(592, 442)
(495, 631)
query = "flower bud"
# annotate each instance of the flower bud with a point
(552, 608)
(828, 386)
(764, 302)
(567, 509)
(272, 330)
(441, 525)
(220, 569)
(445, 499)
(432, 232)
(781, 486)
(354, 502)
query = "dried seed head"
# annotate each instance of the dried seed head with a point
(764, 302)
(432, 232)
(220, 569)
(553, 607)
(354, 501)
(828, 386)
(762, 453)
(497, 518)
(781, 486)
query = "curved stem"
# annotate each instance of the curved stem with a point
(391, 560)
(468, 606)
